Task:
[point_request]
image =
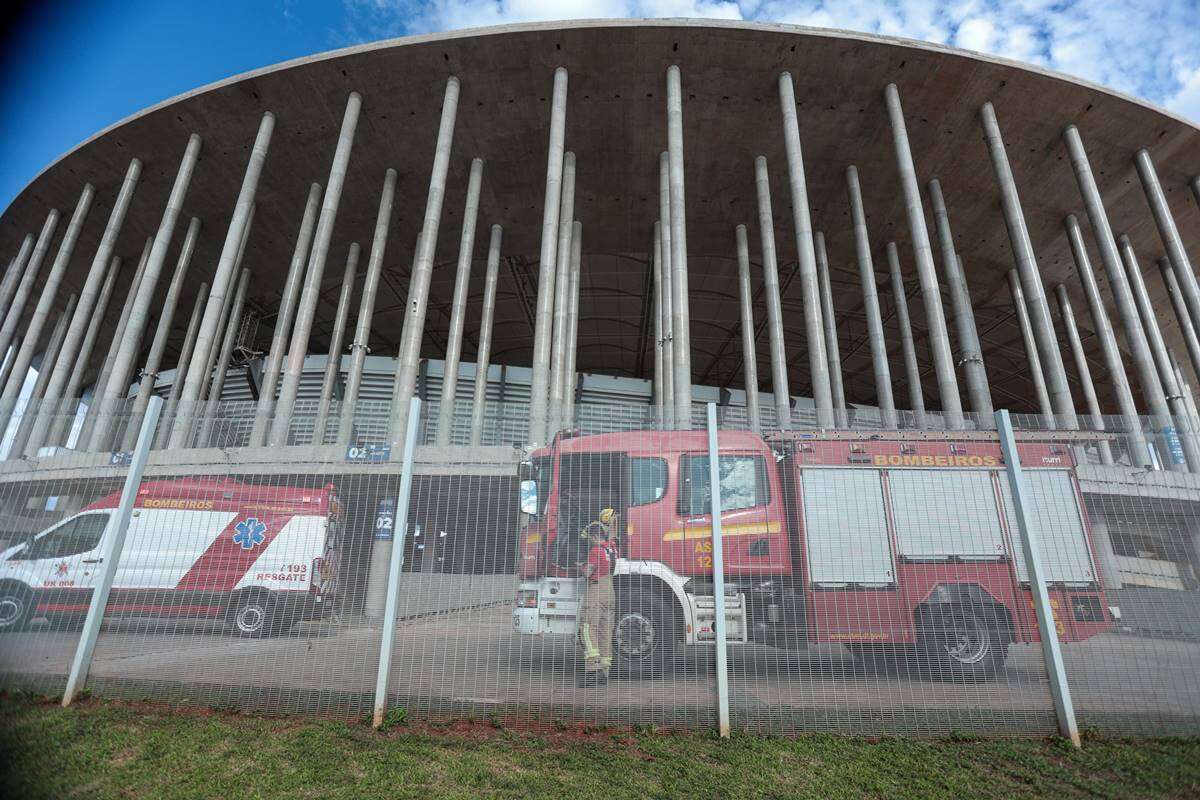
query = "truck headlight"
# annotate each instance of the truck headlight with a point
(527, 598)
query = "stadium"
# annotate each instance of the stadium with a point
(604, 226)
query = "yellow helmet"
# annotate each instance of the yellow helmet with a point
(606, 515)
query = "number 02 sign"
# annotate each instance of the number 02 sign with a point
(385, 518)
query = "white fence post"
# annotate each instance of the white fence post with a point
(397, 560)
(718, 565)
(111, 554)
(1030, 544)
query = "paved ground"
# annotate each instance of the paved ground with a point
(471, 662)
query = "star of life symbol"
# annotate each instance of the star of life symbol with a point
(249, 533)
(61, 568)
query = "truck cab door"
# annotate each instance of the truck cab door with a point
(754, 537)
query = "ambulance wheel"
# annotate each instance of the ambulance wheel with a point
(958, 644)
(645, 634)
(252, 615)
(16, 607)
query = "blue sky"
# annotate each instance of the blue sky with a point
(70, 68)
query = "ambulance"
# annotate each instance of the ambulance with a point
(259, 559)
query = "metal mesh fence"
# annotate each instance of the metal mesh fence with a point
(874, 577)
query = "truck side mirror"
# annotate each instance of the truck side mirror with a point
(529, 498)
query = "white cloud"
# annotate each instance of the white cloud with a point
(1150, 48)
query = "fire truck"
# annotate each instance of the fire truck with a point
(898, 547)
(258, 558)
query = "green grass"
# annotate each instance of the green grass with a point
(98, 749)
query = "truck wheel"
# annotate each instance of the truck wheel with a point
(16, 607)
(959, 644)
(645, 635)
(252, 616)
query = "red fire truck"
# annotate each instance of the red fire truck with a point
(897, 548)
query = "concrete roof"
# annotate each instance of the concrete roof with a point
(616, 124)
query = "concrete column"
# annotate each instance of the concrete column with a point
(458, 304)
(833, 352)
(749, 357)
(1169, 233)
(970, 351)
(1158, 350)
(1139, 349)
(484, 351)
(185, 357)
(818, 364)
(1031, 351)
(233, 325)
(200, 409)
(539, 396)
(222, 283)
(1081, 367)
(931, 295)
(766, 231)
(31, 340)
(161, 334)
(408, 360)
(664, 218)
(68, 362)
(310, 296)
(277, 351)
(562, 296)
(657, 270)
(1186, 329)
(223, 328)
(1122, 295)
(1027, 268)
(1139, 453)
(366, 309)
(12, 319)
(569, 376)
(98, 388)
(681, 336)
(866, 276)
(122, 372)
(1192, 427)
(912, 373)
(1106, 560)
(69, 402)
(35, 407)
(333, 364)
(12, 278)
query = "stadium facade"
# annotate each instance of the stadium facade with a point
(815, 229)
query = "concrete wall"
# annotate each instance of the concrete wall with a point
(422, 594)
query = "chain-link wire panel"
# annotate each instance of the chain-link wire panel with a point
(874, 578)
(1143, 675)
(893, 605)
(244, 585)
(51, 533)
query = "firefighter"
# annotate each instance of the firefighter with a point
(599, 601)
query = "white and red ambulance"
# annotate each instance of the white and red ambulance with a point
(259, 558)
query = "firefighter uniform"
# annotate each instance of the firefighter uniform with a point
(599, 602)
